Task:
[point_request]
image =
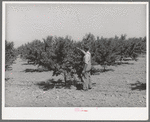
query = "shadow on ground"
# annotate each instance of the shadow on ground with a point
(35, 70)
(6, 79)
(59, 84)
(138, 86)
(51, 83)
(121, 63)
(106, 70)
(28, 63)
(8, 68)
(98, 71)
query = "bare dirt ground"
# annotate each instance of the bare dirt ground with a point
(121, 86)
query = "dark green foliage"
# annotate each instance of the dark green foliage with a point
(105, 53)
(61, 55)
(10, 54)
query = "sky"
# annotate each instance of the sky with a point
(27, 22)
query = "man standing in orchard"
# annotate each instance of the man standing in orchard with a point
(85, 77)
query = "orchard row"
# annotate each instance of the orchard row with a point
(61, 55)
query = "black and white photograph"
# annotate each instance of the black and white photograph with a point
(80, 58)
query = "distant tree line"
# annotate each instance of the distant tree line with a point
(59, 54)
(10, 54)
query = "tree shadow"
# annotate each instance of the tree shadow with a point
(29, 63)
(59, 84)
(93, 84)
(8, 68)
(138, 86)
(79, 85)
(35, 70)
(51, 83)
(106, 70)
(6, 79)
(122, 63)
(98, 71)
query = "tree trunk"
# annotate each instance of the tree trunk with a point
(121, 58)
(104, 68)
(65, 78)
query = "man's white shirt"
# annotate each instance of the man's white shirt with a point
(87, 60)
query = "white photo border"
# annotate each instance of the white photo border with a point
(69, 113)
